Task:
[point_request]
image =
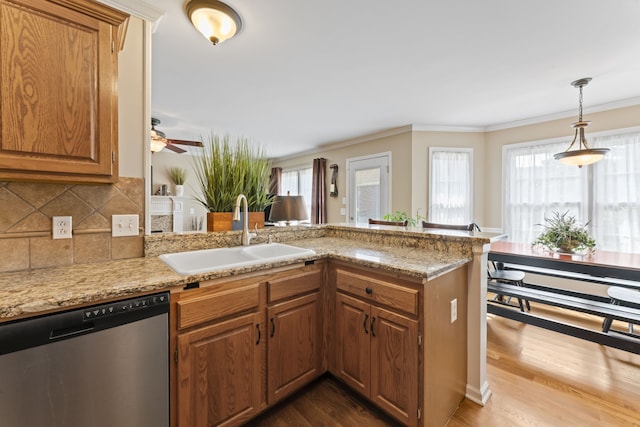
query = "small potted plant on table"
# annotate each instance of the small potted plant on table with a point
(563, 233)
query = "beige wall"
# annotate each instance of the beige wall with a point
(400, 147)
(410, 159)
(603, 121)
(131, 100)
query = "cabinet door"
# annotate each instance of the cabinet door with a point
(219, 373)
(58, 90)
(352, 342)
(293, 346)
(394, 364)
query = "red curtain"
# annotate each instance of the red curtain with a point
(318, 192)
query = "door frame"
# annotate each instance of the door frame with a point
(349, 167)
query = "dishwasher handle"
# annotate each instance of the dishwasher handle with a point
(57, 334)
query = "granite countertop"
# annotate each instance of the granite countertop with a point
(32, 292)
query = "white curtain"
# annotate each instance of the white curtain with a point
(535, 185)
(450, 186)
(616, 193)
(605, 194)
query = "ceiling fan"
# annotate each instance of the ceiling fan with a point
(160, 141)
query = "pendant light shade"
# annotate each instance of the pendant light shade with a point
(583, 154)
(216, 21)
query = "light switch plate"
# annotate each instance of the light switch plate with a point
(124, 225)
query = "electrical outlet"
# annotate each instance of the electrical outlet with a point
(124, 225)
(61, 226)
(454, 310)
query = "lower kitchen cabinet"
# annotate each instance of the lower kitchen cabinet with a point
(219, 373)
(294, 345)
(242, 345)
(377, 354)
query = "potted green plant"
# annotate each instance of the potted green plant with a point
(402, 216)
(563, 233)
(227, 168)
(178, 176)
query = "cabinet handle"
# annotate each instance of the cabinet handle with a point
(364, 324)
(273, 327)
(373, 320)
(368, 290)
(259, 335)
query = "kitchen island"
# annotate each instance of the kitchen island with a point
(413, 256)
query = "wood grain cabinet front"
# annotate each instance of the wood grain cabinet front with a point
(219, 373)
(377, 355)
(294, 345)
(58, 90)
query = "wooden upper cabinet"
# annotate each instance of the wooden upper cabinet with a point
(58, 93)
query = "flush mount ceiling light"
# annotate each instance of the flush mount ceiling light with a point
(217, 21)
(158, 138)
(583, 155)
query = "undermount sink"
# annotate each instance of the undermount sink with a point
(209, 260)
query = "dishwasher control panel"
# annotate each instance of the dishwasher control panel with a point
(130, 305)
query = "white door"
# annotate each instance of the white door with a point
(368, 187)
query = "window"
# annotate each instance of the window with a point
(607, 193)
(298, 182)
(450, 190)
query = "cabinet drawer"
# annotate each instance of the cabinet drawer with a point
(378, 291)
(217, 305)
(294, 285)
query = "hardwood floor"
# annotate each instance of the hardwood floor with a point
(538, 378)
(326, 402)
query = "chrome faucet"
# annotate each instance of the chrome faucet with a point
(246, 235)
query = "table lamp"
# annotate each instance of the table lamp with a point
(288, 208)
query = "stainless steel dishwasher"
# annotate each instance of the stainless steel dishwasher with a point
(104, 365)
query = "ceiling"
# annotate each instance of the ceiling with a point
(302, 75)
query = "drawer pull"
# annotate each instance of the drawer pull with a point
(369, 291)
(259, 335)
(364, 324)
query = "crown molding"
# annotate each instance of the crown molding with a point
(629, 102)
(137, 8)
(348, 142)
(434, 128)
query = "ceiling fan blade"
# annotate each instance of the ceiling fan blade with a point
(174, 148)
(186, 142)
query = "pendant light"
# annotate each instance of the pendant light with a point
(216, 21)
(583, 155)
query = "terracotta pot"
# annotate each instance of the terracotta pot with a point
(254, 218)
(223, 221)
(219, 221)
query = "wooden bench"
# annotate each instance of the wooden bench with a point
(585, 303)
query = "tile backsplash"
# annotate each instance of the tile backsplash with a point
(26, 209)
